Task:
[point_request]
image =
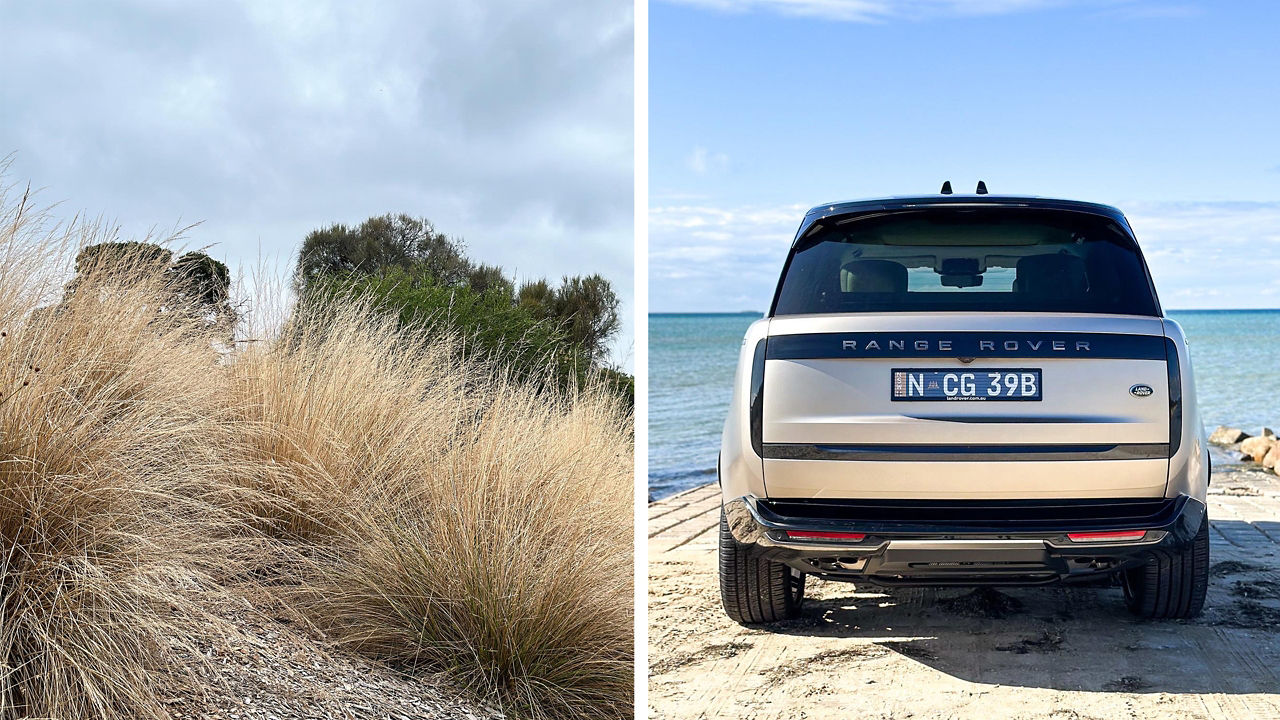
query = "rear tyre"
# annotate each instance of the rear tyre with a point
(753, 589)
(1171, 584)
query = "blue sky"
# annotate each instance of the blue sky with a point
(762, 108)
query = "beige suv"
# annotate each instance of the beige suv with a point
(964, 390)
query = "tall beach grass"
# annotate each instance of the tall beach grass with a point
(418, 507)
(113, 521)
(457, 522)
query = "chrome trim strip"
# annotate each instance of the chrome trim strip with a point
(965, 453)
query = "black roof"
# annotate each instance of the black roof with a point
(857, 207)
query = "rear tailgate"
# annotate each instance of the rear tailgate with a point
(831, 428)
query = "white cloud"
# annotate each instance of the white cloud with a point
(1213, 254)
(1202, 255)
(707, 258)
(702, 161)
(507, 124)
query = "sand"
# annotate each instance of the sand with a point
(1051, 652)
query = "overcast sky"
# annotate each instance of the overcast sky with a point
(508, 124)
(760, 109)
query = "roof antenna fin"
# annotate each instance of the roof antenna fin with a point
(982, 188)
(946, 187)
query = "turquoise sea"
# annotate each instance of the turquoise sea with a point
(692, 359)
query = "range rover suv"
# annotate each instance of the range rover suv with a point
(964, 390)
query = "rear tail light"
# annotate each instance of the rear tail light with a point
(822, 535)
(1116, 536)
(757, 399)
(1175, 396)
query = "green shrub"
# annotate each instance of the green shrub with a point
(380, 244)
(193, 283)
(554, 335)
(490, 326)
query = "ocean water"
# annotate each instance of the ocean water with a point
(692, 358)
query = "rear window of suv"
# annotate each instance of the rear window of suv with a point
(977, 260)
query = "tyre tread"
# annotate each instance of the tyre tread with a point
(1172, 584)
(753, 589)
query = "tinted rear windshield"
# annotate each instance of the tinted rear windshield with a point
(984, 260)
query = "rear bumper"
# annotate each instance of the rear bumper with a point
(1014, 543)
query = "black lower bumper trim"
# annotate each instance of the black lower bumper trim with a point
(994, 516)
(960, 550)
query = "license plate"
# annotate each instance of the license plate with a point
(966, 385)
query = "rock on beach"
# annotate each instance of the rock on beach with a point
(1258, 447)
(1227, 435)
(1272, 457)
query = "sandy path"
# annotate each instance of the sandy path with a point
(865, 652)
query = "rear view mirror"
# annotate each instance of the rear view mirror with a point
(961, 281)
(961, 272)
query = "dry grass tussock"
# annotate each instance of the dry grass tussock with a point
(454, 521)
(417, 508)
(111, 418)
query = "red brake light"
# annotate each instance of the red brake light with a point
(1112, 536)
(821, 535)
